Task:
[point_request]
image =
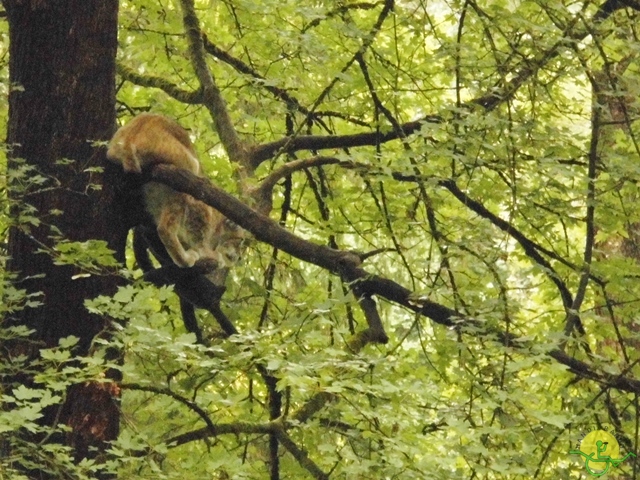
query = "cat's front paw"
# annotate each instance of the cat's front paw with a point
(189, 259)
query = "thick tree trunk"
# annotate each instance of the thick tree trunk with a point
(62, 70)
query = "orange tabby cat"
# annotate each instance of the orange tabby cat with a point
(190, 230)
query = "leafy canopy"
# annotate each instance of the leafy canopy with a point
(499, 183)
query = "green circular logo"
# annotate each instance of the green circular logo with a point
(600, 451)
(601, 442)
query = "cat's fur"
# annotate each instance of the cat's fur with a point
(190, 230)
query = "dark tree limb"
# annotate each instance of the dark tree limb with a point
(212, 98)
(191, 321)
(609, 7)
(347, 265)
(158, 277)
(293, 144)
(191, 284)
(264, 229)
(170, 393)
(141, 250)
(145, 239)
(235, 428)
(531, 248)
(277, 428)
(300, 454)
(152, 81)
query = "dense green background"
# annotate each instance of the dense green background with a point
(551, 162)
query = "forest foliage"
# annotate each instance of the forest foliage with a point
(479, 157)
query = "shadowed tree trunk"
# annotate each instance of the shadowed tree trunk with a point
(62, 70)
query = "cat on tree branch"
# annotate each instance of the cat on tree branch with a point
(251, 212)
(249, 156)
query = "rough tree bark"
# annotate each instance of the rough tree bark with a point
(62, 73)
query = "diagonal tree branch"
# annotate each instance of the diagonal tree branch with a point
(235, 147)
(153, 81)
(347, 265)
(276, 428)
(531, 248)
(185, 401)
(368, 40)
(266, 151)
(299, 454)
(609, 7)
(279, 93)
